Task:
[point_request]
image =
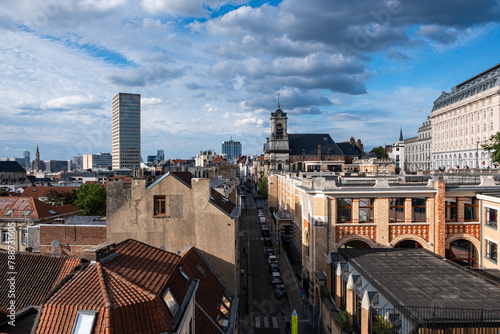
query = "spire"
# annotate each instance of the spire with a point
(279, 101)
(401, 133)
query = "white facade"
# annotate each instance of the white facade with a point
(91, 161)
(126, 118)
(464, 119)
(205, 157)
(418, 149)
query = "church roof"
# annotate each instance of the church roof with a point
(307, 144)
(11, 166)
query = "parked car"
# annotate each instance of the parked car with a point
(267, 241)
(262, 220)
(279, 290)
(276, 278)
(272, 259)
(265, 231)
(273, 267)
(269, 251)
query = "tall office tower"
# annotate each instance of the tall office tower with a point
(27, 161)
(231, 148)
(126, 131)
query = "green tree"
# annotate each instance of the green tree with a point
(91, 199)
(493, 147)
(4, 193)
(61, 198)
(262, 187)
(380, 151)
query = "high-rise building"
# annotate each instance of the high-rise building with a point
(231, 148)
(126, 130)
(99, 160)
(27, 161)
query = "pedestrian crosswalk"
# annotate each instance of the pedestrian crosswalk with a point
(266, 322)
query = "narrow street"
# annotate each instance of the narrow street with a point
(261, 310)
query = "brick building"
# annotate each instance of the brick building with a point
(327, 213)
(19, 213)
(69, 236)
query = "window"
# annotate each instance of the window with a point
(84, 322)
(418, 209)
(9, 212)
(491, 217)
(344, 210)
(5, 236)
(491, 250)
(24, 237)
(172, 304)
(451, 209)
(160, 207)
(366, 209)
(397, 209)
(470, 208)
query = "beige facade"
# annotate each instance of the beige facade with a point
(329, 213)
(175, 212)
(464, 119)
(490, 207)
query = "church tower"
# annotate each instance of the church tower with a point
(277, 149)
(36, 165)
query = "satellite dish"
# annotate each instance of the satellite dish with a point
(55, 243)
(55, 252)
(162, 248)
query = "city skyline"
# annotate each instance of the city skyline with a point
(210, 70)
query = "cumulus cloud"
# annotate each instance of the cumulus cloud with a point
(145, 101)
(142, 76)
(60, 103)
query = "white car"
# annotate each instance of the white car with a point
(276, 278)
(272, 259)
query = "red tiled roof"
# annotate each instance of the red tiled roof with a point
(261, 158)
(30, 207)
(178, 161)
(33, 191)
(36, 275)
(184, 177)
(131, 284)
(219, 159)
(221, 202)
(210, 290)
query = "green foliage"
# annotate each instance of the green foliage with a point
(4, 193)
(343, 318)
(380, 151)
(493, 146)
(61, 198)
(382, 326)
(262, 187)
(91, 199)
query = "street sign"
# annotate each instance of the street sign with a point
(295, 323)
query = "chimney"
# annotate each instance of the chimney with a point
(358, 142)
(319, 152)
(99, 252)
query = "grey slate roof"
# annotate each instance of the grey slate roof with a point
(85, 220)
(418, 277)
(307, 144)
(350, 150)
(11, 166)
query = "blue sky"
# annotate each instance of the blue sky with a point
(211, 70)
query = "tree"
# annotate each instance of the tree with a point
(61, 198)
(91, 199)
(493, 147)
(4, 193)
(380, 151)
(262, 187)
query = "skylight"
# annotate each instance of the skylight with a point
(26, 213)
(52, 212)
(84, 322)
(9, 212)
(172, 304)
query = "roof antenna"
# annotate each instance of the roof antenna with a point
(278, 101)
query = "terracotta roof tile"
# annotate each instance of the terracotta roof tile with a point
(221, 202)
(36, 276)
(34, 191)
(29, 207)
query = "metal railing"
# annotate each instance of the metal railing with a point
(423, 320)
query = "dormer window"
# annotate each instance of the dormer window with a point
(84, 322)
(171, 302)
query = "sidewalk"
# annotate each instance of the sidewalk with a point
(295, 301)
